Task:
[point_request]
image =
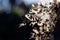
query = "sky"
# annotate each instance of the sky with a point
(5, 5)
(28, 2)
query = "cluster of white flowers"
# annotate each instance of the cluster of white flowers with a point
(44, 16)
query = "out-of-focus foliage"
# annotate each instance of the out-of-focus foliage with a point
(19, 11)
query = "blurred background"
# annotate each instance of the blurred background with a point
(8, 5)
(11, 15)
